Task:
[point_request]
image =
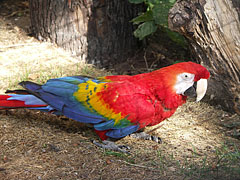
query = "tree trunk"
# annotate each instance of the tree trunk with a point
(213, 29)
(99, 32)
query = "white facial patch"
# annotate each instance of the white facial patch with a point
(184, 81)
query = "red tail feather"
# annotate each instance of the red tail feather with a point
(4, 97)
(13, 104)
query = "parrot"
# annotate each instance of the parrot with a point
(118, 105)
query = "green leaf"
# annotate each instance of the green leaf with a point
(136, 1)
(156, 14)
(147, 16)
(160, 14)
(176, 37)
(145, 29)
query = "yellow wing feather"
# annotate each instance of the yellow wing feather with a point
(87, 94)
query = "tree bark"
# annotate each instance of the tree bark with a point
(213, 31)
(97, 31)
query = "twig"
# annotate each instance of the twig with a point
(14, 13)
(151, 67)
(145, 59)
(155, 128)
(137, 165)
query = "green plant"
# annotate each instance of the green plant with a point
(156, 15)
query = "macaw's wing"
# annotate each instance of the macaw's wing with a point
(59, 94)
(120, 108)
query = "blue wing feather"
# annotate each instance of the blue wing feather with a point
(119, 133)
(58, 93)
(104, 125)
(81, 116)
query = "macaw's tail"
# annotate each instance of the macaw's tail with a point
(22, 100)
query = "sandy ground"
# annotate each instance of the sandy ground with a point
(199, 141)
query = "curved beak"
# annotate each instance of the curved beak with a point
(201, 89)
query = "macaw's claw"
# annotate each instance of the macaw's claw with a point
(145, 136)
(112, 146)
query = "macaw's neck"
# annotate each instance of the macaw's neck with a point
(153, 81)
(161, 87)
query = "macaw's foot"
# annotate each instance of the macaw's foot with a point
(112, 146)
(143, 135)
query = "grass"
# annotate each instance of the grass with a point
(224, 165)
(40, 74)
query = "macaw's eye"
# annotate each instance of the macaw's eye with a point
(187, 76)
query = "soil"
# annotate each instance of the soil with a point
(36, 145)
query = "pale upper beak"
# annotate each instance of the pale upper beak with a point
(201, 89)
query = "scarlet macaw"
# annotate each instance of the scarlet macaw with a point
(116, 106)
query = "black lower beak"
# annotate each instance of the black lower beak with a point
(191, 92)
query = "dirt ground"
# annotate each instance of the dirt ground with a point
(198, 142)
